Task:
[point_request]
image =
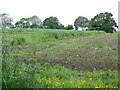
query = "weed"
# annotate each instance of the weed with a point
(18, 41)
(100, 45)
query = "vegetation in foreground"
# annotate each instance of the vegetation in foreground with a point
(59, 59)
(16, 75)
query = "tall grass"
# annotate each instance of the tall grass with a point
(17, 74)
(33, 36)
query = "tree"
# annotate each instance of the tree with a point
(30, 22)
(23, 23)
(104, 22)
(35, 22)
(60, 26)
(6, 21)
(81, 22)
(69, 27)
(51, 23)
(19, 24)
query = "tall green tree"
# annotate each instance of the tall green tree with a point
(35, 22)
(104, 22)
(30, 22)
(23, 23)
(51, 23)
(6, 21)
(19, 24)
(81, 22)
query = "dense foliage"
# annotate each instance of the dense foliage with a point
(104, 22)
(69, 27)
(30, 22)
(5, 21)
(101, 22)
(51, 23)
(81, 22)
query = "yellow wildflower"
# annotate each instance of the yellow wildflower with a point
(62, 82)
(96, 87)
(106, 86)
(20, 72)
(90, 78)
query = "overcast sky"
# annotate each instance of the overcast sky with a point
(65, 10)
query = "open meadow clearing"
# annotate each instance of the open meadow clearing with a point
(41, 58)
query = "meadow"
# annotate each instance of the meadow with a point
(42, 58)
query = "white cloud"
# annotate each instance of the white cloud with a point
(66, 10)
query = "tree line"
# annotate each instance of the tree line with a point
(100, 22)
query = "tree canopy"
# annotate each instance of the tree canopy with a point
(81, 22)
(51, 23)
(5, 21)
(30, 22)
(100, 22)
(104, 22)
(35, 22)
(69, 27)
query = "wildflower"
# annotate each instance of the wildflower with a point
(106, 86)
(62, 82)
(84, 81)
(50, 82)
(59, 83)
(20, 72)
(90, 78)
(49, 79)
(96, 87)
(42, 79)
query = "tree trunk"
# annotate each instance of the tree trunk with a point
(76, 28)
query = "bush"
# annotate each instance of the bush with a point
(69, 27)
(18, 41)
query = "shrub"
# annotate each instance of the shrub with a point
(18, 41)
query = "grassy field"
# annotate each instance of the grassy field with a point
(35, 58)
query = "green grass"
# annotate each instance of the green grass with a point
(36, 76)
(33, 36)
(41, 58)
